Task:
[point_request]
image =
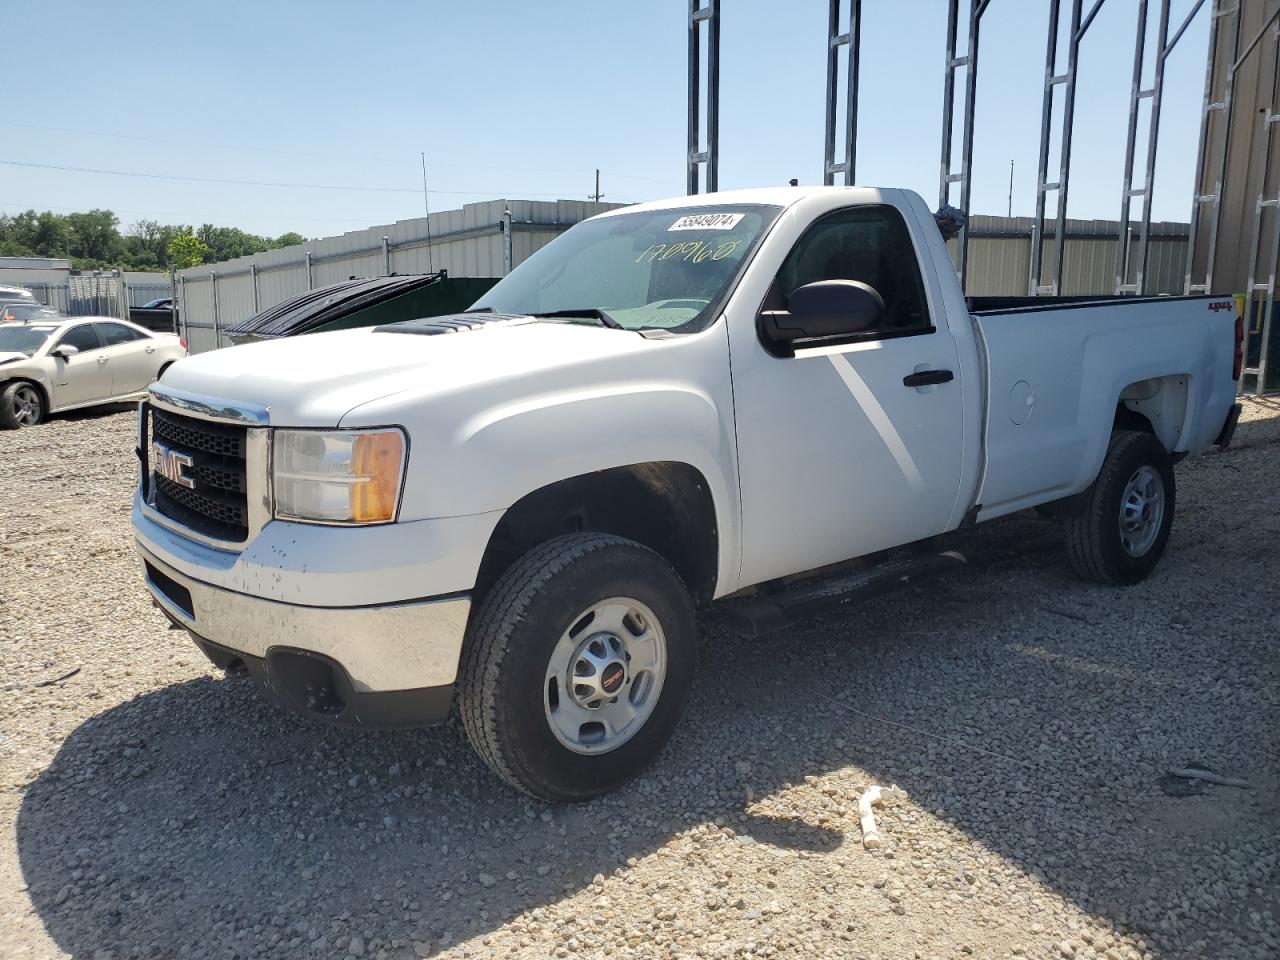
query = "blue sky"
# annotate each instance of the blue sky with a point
(526, 100)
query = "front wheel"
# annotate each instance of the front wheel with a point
(576, 668)
(21, 405)
(1118, 530)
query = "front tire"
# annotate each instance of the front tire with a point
(577, 666)
(21, 405)
(1119, 529)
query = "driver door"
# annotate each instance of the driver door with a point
(838, 457)
(86, 376)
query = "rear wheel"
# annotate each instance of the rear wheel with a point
(21, 405)
(577, 666)
(1120, 527)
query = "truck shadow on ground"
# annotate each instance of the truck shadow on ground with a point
(197, 819)
(98, 412)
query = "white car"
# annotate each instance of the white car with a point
(17, 293)
(49, 367)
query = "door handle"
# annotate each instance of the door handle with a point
(927, 378)
(102, 360)
(151, 349)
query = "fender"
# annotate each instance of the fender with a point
(482, 448)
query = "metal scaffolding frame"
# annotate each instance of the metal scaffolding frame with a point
(1270, 117)
(1154, 93)
(850, 39)
(844, 32)
(1052, 80)
(953, 63)
(698, 156)
(1222, 9)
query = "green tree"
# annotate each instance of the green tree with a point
(227, 243)
(185, 250)
(32, 234)
(145, 242)
(94, 235)
(93, 239)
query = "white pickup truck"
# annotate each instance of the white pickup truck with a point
(522, 506)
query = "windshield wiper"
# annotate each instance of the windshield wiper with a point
(587, 313)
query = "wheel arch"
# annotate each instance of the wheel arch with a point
(44, 391)
(1156, 405)
(667, 506)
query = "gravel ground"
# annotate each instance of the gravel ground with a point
(152, 809)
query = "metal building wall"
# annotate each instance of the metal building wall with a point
(1000, 253)
(470, 242)
(1244, 162)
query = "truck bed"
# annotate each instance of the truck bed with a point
(1056, 368)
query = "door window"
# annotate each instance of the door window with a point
(83, 338)
(870, 244)
(114, 333)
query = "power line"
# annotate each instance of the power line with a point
(195, 143)
(632, 176)
(267, 183)
(310, 154)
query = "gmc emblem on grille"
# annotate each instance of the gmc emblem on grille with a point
(170, 465)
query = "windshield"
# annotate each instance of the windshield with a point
(658, 270)
(23, 339)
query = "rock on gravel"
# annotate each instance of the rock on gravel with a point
(151, 808)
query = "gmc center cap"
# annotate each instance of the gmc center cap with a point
(612, 676)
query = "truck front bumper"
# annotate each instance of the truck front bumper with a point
(383, 667)
(383, 662)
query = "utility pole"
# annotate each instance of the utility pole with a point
(597, 195)
(1011, 188)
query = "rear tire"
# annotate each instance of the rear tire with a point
(1119, 529)
(21, 405)
(577, 666)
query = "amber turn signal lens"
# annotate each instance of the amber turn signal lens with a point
(377, 460)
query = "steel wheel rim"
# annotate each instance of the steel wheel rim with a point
(1142, 511)
(26, 405)
(605, 676)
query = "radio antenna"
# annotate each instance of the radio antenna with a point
(426, 206)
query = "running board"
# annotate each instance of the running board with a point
(756, 616)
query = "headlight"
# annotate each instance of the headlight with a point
(348, 476)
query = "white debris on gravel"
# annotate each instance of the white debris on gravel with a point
(151, 808)
(867, 816)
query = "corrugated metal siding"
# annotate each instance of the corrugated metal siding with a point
(1000, 255)
(467, 243)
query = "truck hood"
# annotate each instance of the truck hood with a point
(316, 379)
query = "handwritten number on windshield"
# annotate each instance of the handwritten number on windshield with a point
(691, 251)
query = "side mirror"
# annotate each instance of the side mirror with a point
(827, 308)
(66, 351)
